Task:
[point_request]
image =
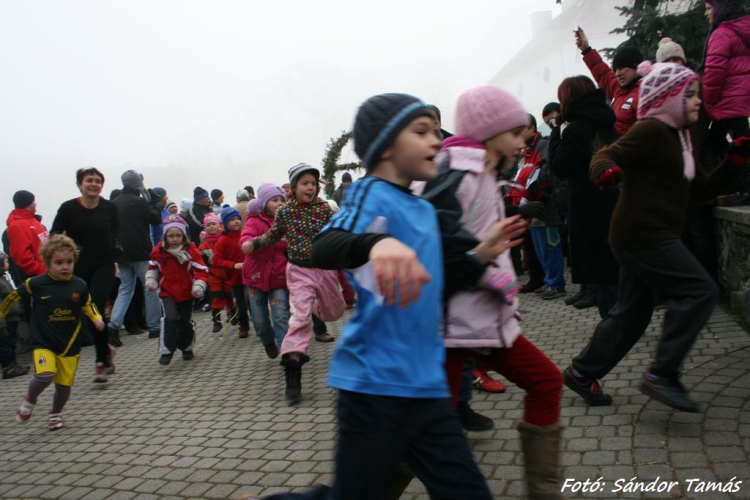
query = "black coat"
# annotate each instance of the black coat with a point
(135, 216)
(590, 127)
(194, 218)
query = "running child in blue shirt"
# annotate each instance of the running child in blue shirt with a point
(394, 404)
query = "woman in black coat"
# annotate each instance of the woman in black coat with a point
(588, 126)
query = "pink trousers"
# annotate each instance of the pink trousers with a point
(311, 291)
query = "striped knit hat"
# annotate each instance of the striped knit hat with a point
(663, 96)
(299, 169)
(380, 119)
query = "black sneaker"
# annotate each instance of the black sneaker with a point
(530, 287)
(165, 359)
(588, 388)
(153, 334)
(667, 391)
(113, 336)
(14, 370)
(471, 420)
(187, 355)
(575, 298)
(587, 300)
(553, 293)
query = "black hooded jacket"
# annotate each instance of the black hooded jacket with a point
(590, 126)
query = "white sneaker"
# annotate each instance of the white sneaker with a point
(23, 413)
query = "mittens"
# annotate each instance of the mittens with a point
(505, 284)
(199, 288)
(739, 152)
(610, 177)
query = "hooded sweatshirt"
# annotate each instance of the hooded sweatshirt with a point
(26, 236)
(726, 74)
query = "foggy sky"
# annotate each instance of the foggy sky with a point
(222, 94)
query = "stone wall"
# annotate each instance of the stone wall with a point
(733, 233)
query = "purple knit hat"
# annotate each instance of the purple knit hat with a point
(267, 191)
(171, 221)
(486, 111)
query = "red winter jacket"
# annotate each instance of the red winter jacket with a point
(624, 100)
(726, 74)
(175, 279)
(227, 253)
(265, 268)
(26, 236)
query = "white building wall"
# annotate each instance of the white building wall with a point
(534, 74)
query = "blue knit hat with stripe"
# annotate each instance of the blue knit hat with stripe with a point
(380, 119)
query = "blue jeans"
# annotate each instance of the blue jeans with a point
(548, 249)
(259, 301)
(129, 272)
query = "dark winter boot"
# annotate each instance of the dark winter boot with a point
(588, 299)
(293, 376)
(575, 298)
(541, 456)
(113, 336)
(216, 317)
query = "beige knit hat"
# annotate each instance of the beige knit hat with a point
(667, 49)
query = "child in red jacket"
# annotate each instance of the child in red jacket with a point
(264, 271)
(177, 270)
(218, 286)
(229, 256)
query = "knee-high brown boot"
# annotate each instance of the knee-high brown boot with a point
(541, 456)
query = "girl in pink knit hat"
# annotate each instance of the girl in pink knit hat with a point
(654, 165)
(481, 322)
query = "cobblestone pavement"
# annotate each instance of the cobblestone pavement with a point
(218, 426)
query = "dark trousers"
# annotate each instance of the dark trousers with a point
(700, 237)
(536, 271)
(243, 317)
(377, 432)
(178, 329)
(666, 272)
(524, 365)
(8, 344)
(606, 298)
(100, 281)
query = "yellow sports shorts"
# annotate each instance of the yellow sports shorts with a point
(64, 367)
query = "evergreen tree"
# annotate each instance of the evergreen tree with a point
(648, 21)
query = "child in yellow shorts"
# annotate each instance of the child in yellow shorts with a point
(59, 300)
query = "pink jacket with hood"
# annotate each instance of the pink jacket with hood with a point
(726, 74)
(478, 318)
(264, 268)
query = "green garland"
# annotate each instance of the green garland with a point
(330, 161)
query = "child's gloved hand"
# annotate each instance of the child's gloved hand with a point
(505, 284)
(739, 152)
(610, 177)
(151, 284)
(199, 288)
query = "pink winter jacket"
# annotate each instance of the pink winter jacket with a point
(264, 268)
(726, 75)
(479, 318)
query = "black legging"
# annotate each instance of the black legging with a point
(100, 281)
